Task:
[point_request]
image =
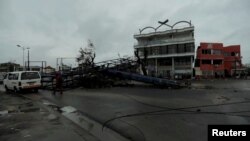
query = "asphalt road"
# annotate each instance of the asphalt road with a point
(146, 113)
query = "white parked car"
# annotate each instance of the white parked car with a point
(22, 80)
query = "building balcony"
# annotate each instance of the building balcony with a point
(164, 42)
(164, 33)
(182, 66)
(210, 56)
(150, 56)
(213, 67)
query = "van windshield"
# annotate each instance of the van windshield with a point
(30, 75)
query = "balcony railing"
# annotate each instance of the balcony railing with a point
(212, 67)
(163, 42)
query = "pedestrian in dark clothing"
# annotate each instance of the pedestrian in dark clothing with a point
(58, 81)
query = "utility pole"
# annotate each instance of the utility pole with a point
(28, 58)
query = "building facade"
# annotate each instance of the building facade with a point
(215, 60)
(170, 53)
(49, 69)
(9, 67)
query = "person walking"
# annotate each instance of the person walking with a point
(58, 81)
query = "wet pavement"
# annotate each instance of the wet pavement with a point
(147, 113)
(26, 120)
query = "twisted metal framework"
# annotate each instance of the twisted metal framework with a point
(164, 23)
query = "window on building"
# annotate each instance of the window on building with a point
(160, 50)
(217, 62)
(197, 63)
(165, 62)
(150, 51)
(155, 50)
(189, 47)
(182, 61)
(226, 54)
(180, 48)
(232, 53)
(233, 64)
(172, 49)
(163, 50)
(206, 61)
(206, 51)
(217, 52)
(140, 51)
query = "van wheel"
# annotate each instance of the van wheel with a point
(35, 90)
(6, 89)
(15, 90)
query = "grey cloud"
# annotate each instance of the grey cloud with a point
(58, 28)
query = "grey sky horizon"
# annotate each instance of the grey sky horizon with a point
(58, 28)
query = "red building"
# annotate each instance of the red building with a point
(214, 60)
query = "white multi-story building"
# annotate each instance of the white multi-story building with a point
(170, 53)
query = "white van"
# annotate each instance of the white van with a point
(22, 80)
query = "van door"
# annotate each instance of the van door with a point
(15, 80)
(9, 81)
(6, 80)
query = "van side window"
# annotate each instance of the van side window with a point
(30, 75)
(5, 76)
(10, 77)
(15, 76)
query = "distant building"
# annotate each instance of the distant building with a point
(32, 68)
(170, 53)
(214, 60)
(65, 68)
(49, 69)
(9, 67)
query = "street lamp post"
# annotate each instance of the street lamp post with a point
(23, 54)
(24, 68)
(28, 58)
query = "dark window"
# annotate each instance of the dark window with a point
(197, 63)
(189, 47)
(13, 76)
(232, 53)
(226, 54)
(181, 48)
(165, 62)
(171, 49)
(217, 62)
(206, 61)
(182, 61)
(155, 50)
(206, 51)
(163, 50)
(217, 52)
(30, 75)
(150, 51)
(5, 76)
(10, 77)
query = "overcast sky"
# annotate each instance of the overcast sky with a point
(58, 28)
